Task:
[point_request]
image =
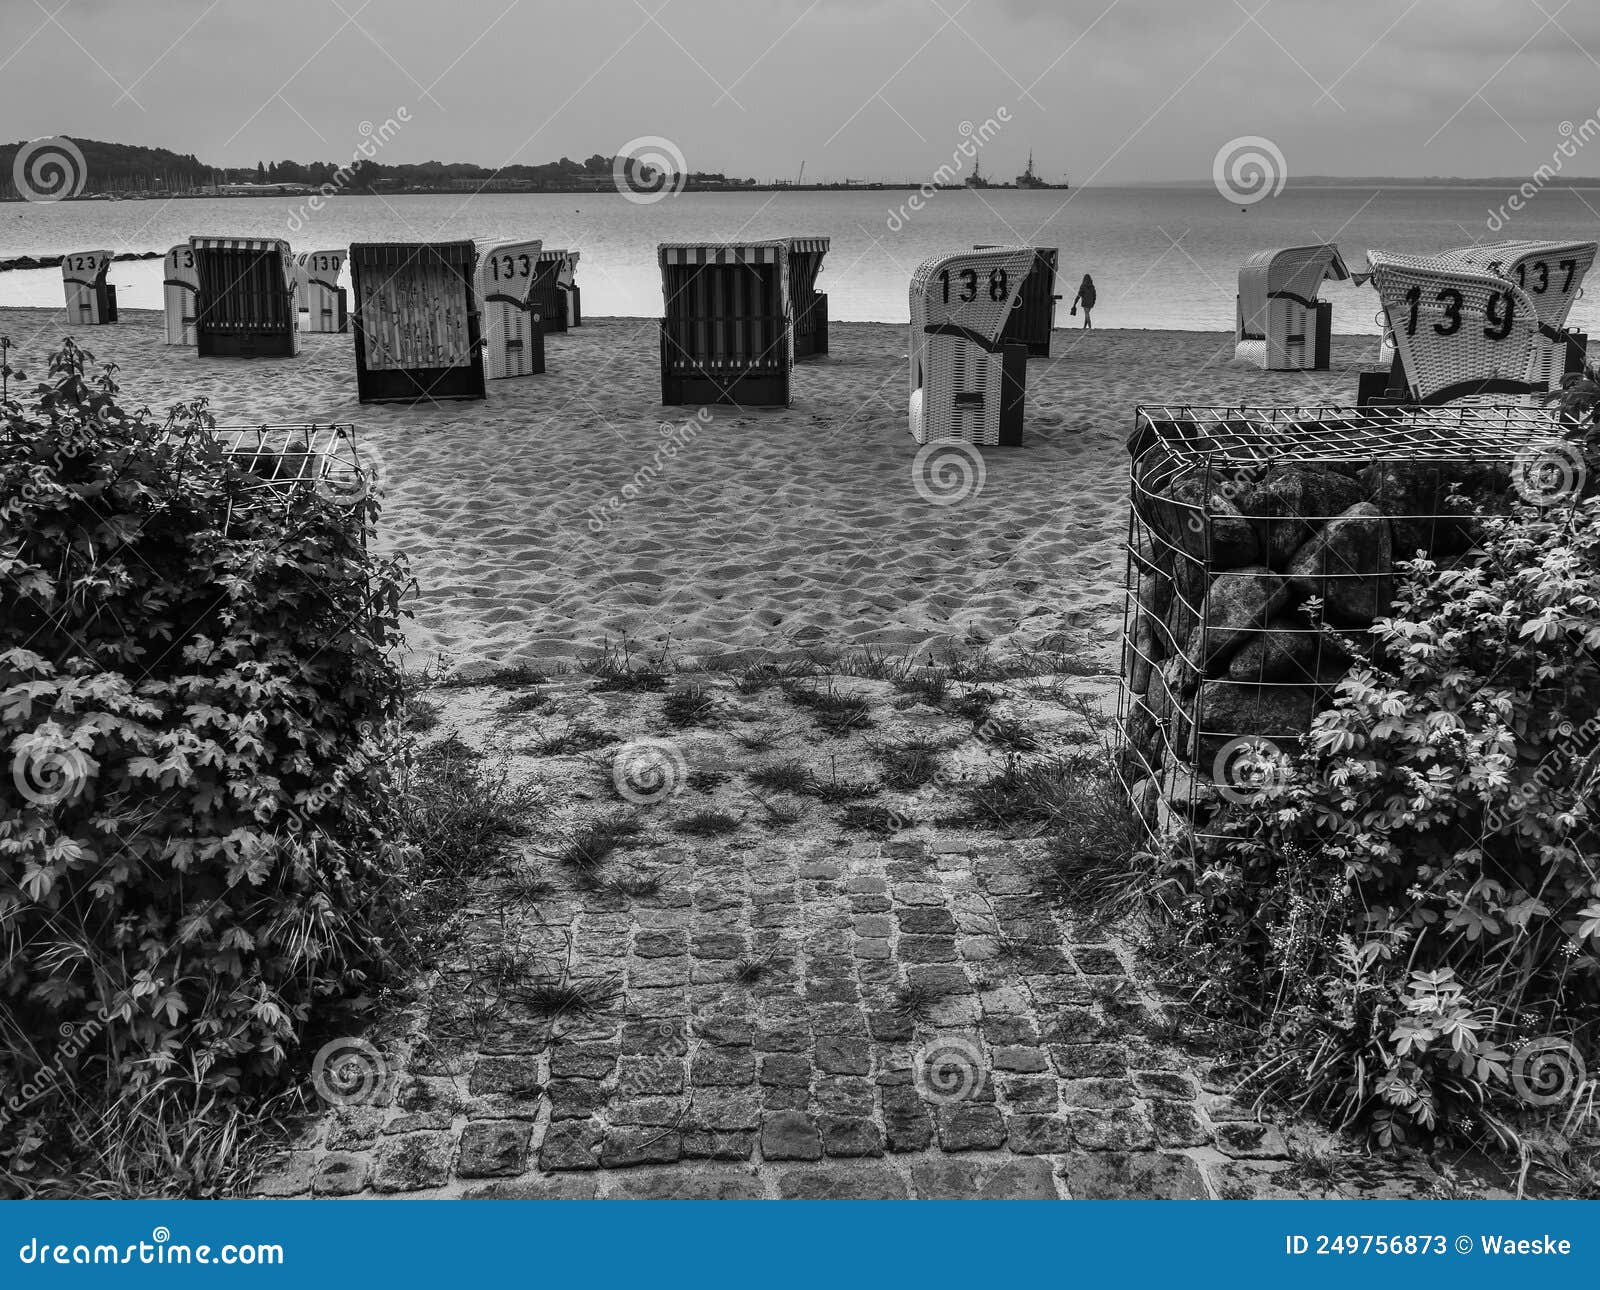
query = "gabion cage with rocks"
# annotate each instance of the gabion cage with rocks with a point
(284, 457)
(1262, 543)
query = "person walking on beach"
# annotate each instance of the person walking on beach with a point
(1085, 297)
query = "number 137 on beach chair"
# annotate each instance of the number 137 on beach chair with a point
(967, 382)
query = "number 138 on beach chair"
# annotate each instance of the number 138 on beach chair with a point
(968, 383)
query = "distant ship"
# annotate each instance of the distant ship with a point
(976, 179)
(1027, 179)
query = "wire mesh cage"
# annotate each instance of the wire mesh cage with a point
(286, 458)
(1262, 543)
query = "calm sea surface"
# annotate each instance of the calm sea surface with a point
(1161, 257)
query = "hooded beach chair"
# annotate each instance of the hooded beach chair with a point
(179, 285)
(1459, 332)
(567, 285)
(513, 331)
(1280, 325)
(555, 292)
(727, 333)
(317, 290)
(416, 321)
(245, 306)
(1552, 274)
(91, 300)
(810, 305)
(1034, 318)
(966, 381)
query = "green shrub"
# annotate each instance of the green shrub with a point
(199, 713)
(1409, 903)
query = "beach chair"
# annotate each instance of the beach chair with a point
(1279, 324)
(91, 300)
(1459, 332)
(966, 381)
(179, 285)
(567, 285)
(513, 332)
(810, 305)
(1034, 318)
(553, 287)
(318, 293)
(727, 334)
(244, 307)
(1552, 274)
(416, 321)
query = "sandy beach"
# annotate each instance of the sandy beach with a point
(551, 518)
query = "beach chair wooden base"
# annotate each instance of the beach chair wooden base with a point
(811, 329)
(749, 390)
(222, 342)
(523, 357)
(1013, 402)
(417, 384)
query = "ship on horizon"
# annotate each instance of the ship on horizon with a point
(1027, 179)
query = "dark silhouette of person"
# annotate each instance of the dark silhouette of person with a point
(1085, 297)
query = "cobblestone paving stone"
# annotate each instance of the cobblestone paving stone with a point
(1018, 1082)
(747, 1034)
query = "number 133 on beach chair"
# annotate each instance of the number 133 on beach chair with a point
(513, 329)
(968, 383)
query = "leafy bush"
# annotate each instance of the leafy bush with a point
(1411, 907)
(198, 719)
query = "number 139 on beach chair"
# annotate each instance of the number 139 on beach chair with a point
(967, 382)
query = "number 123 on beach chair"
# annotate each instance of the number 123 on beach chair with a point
(91, 300)
(513, 330)
(967, 382)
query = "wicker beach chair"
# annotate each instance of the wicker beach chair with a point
(810, 305)
(513, 331)
(966, 381)
(318, 293)
(1279, 324)
(1458, 332)
(180, 284)
(727, 333)
(91, 300)
(416, 321)
(1552, 274)
(1034, 318)
(245, 305)
(555, 293)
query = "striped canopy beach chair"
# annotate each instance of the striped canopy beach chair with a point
(91, 300)
(179, 285)
(513, 331)
(567, 285)
(416, 321)
(727, 334)
(1280, 325)
(1552, 274)
(245, 305)
(1459, 332)
(810, 305)
(555, 290)
(1034, 318)
(317, 290)
(967, 382)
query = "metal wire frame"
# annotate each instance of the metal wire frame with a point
(1178, 761)
(286, 458)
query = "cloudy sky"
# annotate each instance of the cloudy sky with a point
(1103, 90)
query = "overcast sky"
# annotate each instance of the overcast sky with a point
(1103, 90)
